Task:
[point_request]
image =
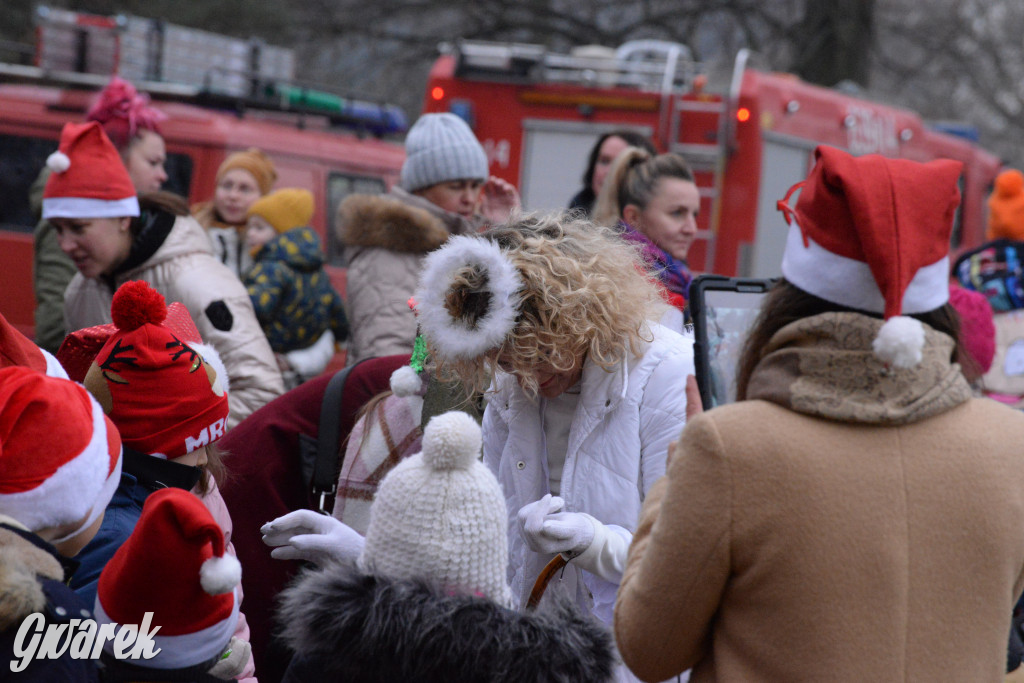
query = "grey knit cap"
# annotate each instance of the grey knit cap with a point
(439, 148)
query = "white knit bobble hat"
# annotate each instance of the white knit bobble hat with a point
(440, 515)
(439, 148)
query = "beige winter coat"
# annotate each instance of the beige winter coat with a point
(386, 238)
(854, 524)
(182, 269)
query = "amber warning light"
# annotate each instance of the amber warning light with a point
(437, 93)
(742, 114)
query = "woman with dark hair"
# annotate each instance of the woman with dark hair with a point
(602, 154)
(857, 515)
(112, 237)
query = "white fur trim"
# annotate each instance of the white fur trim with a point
(405, 382)
(100, 506)
(53, 366)
(849, 282)
(179, 652)
(82, 207)
(900, 342)
(58, 162)
(220, 574)
(449, 337)
(211, 356)
(70, 492)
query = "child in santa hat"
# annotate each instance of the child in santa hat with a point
(164, 389)
(175, 568)
(60, 461)
(425, 595)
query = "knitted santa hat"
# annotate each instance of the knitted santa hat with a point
(60, 457)
(173, 565)
(441, 515)
(17, 349)
(158, 388)
(872, 234)
(89, 179)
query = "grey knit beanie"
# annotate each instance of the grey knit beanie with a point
(439, 148)
(441, 515)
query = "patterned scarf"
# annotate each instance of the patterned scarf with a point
(671, 272)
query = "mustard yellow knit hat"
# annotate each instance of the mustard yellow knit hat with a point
(255, 162)
(284, 209)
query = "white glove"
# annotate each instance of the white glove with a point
(313, 537)
(546, 529)
(233, 660)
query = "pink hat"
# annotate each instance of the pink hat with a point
(88, 178)
(977, 325)
(60, 457)
(174, 565)
(123, 112)
(872, 233)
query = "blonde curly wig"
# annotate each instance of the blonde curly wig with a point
(586, 294)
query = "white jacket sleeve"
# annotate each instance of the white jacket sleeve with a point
(606, 555)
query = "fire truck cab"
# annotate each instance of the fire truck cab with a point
(747, 134)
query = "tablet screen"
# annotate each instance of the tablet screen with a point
(729, 315)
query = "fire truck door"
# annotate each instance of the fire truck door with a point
(784, 162)
(554, 158)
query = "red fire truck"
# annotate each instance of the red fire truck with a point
(327, 144)
(748, 134)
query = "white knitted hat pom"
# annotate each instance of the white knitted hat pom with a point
(451, 441)
(900, 342)
(405, 382)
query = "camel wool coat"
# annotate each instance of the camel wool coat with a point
(853, 523)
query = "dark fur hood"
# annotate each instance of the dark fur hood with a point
(397, 221)
(344, 625)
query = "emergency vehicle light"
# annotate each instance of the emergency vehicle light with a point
(381, 119)
(742, 114)
(437, 93)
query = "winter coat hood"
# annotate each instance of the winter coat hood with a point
(300, 248)
(362, 628)
(398, 221)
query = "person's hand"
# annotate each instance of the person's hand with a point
(313, 537)
(233, 660)
(694, 406)
(546, 529)
(498, 200)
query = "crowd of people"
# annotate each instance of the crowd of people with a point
(528, 488)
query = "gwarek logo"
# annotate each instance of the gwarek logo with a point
(81, 639)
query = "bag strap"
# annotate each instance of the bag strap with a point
(325, 466)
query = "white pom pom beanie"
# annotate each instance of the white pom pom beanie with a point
(440, 515)
(872, 233)
(439, 148)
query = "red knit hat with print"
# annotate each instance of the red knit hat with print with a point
(872, 233)
(164, 397)
(60, 457)
(88, 178)
(174, 565)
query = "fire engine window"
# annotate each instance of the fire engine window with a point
(21, 159)
(956, 237)
(339, 186)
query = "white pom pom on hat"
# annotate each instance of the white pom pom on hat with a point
(451, 441)
(58, 162)
(900, 342)
(405, 382)
(219, 575)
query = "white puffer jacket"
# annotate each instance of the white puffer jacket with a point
(617, 449)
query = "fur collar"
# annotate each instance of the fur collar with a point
(361, 628)
(21, 562)
(390, 222)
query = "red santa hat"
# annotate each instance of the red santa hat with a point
(159, 388)
(88, 178)
(872, 233)
(174, 565)
(60, 457)
(17, 349)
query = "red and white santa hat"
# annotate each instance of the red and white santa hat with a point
(60, 457)
(88, 178)
(174, 565)
(158, 386)
(872, 233)
(17, 349)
